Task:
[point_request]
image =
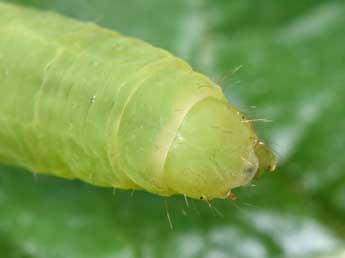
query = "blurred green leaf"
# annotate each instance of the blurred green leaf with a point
(278, 60)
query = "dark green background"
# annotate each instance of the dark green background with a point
(291, 60)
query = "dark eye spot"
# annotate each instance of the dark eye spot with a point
(249, 172)
(201, 197)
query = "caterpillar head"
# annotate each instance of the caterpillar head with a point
(216, 149)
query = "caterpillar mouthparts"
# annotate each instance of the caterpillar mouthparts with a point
(80, 101)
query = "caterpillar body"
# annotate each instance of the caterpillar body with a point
(80, 101)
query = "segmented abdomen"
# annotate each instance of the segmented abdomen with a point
(83, 102)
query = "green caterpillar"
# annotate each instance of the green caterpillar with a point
(80, 101)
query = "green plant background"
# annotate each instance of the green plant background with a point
(275, 59)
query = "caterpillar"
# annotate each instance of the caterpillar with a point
(83, 102)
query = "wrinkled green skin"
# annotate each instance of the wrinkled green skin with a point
(80, 101)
